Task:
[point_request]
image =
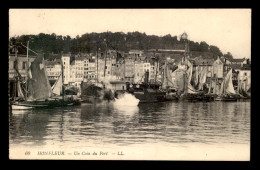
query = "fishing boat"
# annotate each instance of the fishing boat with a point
(38, 92)
(167, 84)
(242, 90)
(146, 92)
(192, 94)
(227, 92)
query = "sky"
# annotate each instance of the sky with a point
(229, 29)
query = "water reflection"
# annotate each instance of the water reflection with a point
(100, 124)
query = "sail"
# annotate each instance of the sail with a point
(167, 79)
(189, 74)
(57, 87)
(228, 85)
(164, 81)
(19, 90)
(202, 79)
(196, 76)
(220, 89)
(190, 88)
(38, 83)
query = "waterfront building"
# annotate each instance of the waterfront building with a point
(90, 69)
(72, 79)
(65, 58)
(218, 67)
(21, 65)
(129, 68)
(136, 53)
(120, 69)
(53, 69)
(200, 64)
(86, 67)
(100, 68)
(139, 70)
(79, 70)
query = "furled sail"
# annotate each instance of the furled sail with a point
(38, 83)
(19, 90)
(202, 79)
(242, 87)
(229, 88)
(196, 77)
(57, 87)
(167, 79)
(190, 88)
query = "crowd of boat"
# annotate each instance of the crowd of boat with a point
(36, 92)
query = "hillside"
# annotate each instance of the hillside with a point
(53, 45)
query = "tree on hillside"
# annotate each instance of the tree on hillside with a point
(228, 55)
(51, 44)
(204, 47)
(215, 50)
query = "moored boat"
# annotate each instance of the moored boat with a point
(38, 92)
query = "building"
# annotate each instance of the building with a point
(241, 75)
(120, 69)
(72, 76)
(53, 69)
(79, 70)
(136, 53)
(91, 70)
(65, 58)
(239, 61)
(200, 64)
(118, 85)
(139, 70)
(218, 67)
(21, 65)
(113, 67)
(130, 68)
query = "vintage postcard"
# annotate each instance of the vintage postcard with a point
(130, 84)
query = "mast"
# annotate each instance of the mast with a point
(155, 68)
(27, 67)
(105, 63)
(164, 76)
(16, 81)
(62, 75)
(105, 55)
(97, 65)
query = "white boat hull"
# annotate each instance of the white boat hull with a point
(18, 106)
(21, 107)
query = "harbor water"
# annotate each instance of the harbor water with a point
(167, 130)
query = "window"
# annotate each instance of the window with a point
(24, 65)
(245, 74)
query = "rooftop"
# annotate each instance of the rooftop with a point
(80, 58)
(246, 67)
(53, 62)
(202, 61)
(235, 66)
(237, 59)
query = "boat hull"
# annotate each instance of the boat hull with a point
(43, 104)
(150, 97)
(20, 107)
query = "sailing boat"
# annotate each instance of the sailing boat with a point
(242, 89)
(190, 93)
(39, 93)
(167, 84)
(227, 92)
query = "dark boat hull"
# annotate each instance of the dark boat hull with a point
(150, 97)
(43, 104)
(198, 97)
